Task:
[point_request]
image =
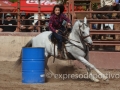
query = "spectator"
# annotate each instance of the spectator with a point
(26, 25)
(11, 24)
(94, 26)
(107, 2)
(106, 5)
(43, 23)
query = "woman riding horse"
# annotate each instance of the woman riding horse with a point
(55, 25)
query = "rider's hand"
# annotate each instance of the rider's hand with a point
(56, 31)
(69, 24)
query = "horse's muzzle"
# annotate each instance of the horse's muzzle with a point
(89, 44)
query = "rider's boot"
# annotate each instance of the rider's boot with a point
(59, 54)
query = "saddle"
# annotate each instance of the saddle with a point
(65, 36)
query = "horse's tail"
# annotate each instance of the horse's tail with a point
(18, 62)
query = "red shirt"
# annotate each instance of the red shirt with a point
(55, 21)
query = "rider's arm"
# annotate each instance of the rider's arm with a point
(51, 24)
(65, 18)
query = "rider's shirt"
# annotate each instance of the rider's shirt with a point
(55, 22)
(11, 26)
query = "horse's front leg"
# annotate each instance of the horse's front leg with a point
(89, 65)
(91, 76)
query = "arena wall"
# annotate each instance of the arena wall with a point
(11, 45)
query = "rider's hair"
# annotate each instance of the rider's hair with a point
(60, 6)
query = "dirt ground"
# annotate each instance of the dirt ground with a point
(10, 79)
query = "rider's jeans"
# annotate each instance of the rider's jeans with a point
(59, 38)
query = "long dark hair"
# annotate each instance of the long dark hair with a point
(60, 6)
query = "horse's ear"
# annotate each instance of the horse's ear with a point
(85, 20)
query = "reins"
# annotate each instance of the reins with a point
(68, 39)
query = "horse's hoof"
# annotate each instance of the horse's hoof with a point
(94, 79)
(97, 81)
(105, 81)
(105, 78)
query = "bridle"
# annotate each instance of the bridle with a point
(81, 36)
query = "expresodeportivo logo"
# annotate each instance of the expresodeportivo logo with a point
(79, 76)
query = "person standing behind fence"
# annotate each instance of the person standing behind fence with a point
(107, 2)
(9, 25)
(43, 23)
(106, 5)
(55, 25)
(25, 25)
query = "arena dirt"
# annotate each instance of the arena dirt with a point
(10, 79)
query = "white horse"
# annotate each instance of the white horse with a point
(79, 33)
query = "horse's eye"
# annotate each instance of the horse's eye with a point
(83, 32)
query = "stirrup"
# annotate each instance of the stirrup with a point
(60, 55)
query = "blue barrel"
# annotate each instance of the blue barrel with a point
(33, 65)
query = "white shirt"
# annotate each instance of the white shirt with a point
(107, 2)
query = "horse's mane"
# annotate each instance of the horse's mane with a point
(77, 23)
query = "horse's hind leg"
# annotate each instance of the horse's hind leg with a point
(46, 66)
(86, 63)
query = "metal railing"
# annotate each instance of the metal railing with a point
(99, 42)
(70, 11)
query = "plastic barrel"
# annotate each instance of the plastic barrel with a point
(33, 65)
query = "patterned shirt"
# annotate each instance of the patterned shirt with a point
(107, 2)
(55, 22)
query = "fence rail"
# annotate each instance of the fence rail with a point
(71, 11)
(96, 32)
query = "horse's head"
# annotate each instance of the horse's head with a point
(84, 31)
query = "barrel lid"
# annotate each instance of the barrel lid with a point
(33, 47)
